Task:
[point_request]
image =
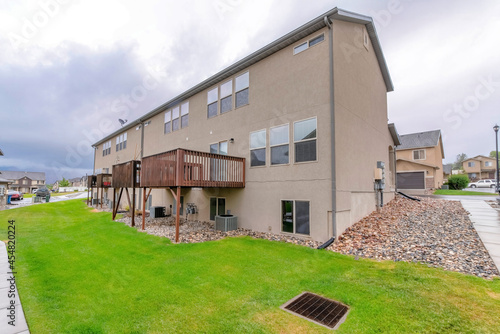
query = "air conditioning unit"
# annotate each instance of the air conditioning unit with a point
(226, 223)
(157, 211)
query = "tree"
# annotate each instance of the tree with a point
(493, 154)
(458, 162)
(64, 183)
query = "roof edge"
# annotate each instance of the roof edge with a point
(279, 44)
(394, 134)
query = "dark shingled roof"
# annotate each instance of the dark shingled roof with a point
(447, 168)
(420, 139)
(14, 175)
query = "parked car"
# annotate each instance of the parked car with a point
(483, 184)
(15, 195)
(43, 192)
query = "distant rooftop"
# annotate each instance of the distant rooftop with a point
(15, 175)
(420, 139)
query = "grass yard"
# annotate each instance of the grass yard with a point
(462, 192)
(79, 272)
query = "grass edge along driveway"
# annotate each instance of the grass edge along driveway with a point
(80, 272)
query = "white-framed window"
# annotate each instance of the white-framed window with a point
(184, 115)
(219, 148)
(279, 139)
(212, 99)
(295, 216)
(121, 142)
(304, 138)
(168, 122)
(226, 97)
(175, 119)
(258, 148)
(242, 84)
(488, 164)
(471, 164)
(419, 155)
(307, 44)
(106, 148)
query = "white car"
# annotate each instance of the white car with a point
(483, 184)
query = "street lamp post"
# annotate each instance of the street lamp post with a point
(496, 135)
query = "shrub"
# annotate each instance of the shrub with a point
(458, 182)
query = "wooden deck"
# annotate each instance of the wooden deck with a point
(185, 168)
(126, 175)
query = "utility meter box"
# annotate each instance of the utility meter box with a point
(378, 174)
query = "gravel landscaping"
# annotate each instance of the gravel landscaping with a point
(438, 233)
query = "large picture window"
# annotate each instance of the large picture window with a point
(226, 97)
(242, 83)
(295, 217)
(212, 98)
(258, 148)
(279, 139)
(304, 137)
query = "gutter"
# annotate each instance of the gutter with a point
(332, 129)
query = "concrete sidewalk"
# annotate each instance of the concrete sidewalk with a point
(486, 221)
(6, 289)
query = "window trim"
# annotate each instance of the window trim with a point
(250, 149)
(419, 155)
(294, 215)
(301, 141)
(169, 113)
(236, 92)
(216, 102)
(308, 44)
(277, 145)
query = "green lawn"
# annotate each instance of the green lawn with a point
(462, 192)
(79, 272)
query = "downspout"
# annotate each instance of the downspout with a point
(142, 139)
(332, 130)
(395, 168)
(93, 167)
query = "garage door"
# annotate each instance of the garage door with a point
(412, 180)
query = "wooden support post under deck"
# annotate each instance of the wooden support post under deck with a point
(97, 197)
(128, 200)
(177, 215)
(102, 196)
(114, 202)
(133, 206)
(115, 210)
(88, 189)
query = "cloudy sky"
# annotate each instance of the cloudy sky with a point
(70, 68)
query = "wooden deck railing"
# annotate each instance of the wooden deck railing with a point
(126, 175)
(185, 168)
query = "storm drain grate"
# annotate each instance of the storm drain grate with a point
(320, 310)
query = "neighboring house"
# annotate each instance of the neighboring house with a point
(25, 182)
(480, 167)
(447, 172)
(420, 162)
(79, 182)
(287, 138)
(4, 186)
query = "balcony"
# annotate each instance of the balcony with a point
(126, 175)
(185, 168)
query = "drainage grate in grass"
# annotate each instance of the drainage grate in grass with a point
(320, 310)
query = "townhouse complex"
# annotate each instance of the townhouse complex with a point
(292, 139)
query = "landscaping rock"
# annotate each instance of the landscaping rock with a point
(436, 232)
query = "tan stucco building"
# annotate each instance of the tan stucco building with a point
(420, 162)
(480, 167)
(307, 112)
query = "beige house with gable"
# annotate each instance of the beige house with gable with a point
(306, 119)
(420, 162)
(480, 167)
